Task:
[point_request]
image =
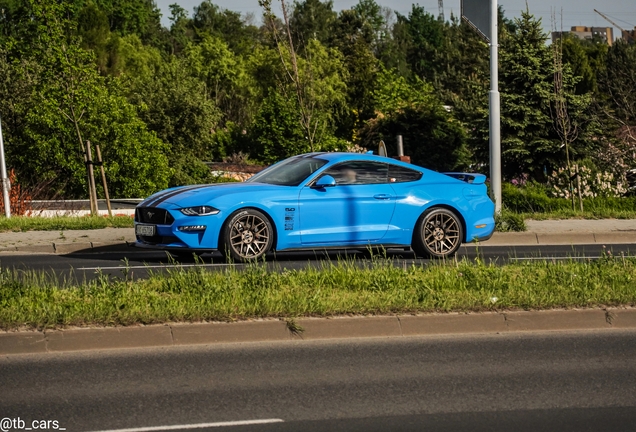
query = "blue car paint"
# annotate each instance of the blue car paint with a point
(353, 216)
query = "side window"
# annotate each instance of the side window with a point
(359, 173)
(398, 174)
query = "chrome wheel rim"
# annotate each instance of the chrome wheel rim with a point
(249, 236)
(441, 233)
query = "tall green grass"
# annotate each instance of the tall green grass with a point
(34, 300)
(25, 223)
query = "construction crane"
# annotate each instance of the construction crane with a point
(629, 36)
(440, 5)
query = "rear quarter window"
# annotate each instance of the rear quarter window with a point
(398, 174)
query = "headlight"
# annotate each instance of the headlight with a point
(199, 211)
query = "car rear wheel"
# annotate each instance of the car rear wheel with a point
(247, 236)
(438, 234)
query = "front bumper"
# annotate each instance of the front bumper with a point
(168, 236)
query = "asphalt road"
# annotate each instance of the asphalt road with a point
(524, 382)
(140, 263)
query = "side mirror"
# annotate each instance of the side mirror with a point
(324, 182)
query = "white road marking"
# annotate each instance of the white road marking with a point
(198, 425)
(155, 266)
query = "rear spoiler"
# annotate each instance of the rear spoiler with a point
(467, 177)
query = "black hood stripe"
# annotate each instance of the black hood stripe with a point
(158, 200)
(158, 196)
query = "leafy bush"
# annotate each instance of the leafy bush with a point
(593, 182)
(532, 198)
(507, 221)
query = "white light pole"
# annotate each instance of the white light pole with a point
(6, 185)
(495, 110)
(483, 16)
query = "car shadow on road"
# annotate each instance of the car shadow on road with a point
(165, 257)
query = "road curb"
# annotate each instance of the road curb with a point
(181, 334)
(553, 239)
(67, 248)
(498, 239)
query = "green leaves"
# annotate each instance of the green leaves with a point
(215, 84)
(69, 103)
(432, 137)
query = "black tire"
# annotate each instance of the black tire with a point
(246, 236)
(438, 234)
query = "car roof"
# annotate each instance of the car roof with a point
(342, 157)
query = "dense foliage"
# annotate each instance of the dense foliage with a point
(162, 101)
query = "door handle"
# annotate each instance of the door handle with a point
(382, 196)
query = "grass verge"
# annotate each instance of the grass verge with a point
(571, 214)
(25, 223)
(509, 221)
(35, 300)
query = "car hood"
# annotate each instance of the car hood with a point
(206, 193)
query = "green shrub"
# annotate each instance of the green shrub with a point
(534, 198)
(508, 221)
(531, 198)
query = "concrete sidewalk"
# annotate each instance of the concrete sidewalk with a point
(548, 232)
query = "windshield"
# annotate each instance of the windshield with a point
(290, 172)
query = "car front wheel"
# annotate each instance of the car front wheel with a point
(247, 236)
(438, 234)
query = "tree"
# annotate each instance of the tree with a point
(65, 102)
(576, 56)
(355, 43)
(93, 29)
(316, 82)
(276, 133)
(526, 75)
(618, 81)
(312, 19)
(566, 128)
(176, 107)
(140, 17)
(226, 78)
(67, 70)
(211, 20)
(179, 30)
(617, 105)
(426, 35)
(432, 137)
(132, 59)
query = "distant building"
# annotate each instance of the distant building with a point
(603, 33)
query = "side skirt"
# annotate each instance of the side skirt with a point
(348, 247)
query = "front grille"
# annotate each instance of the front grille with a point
(152, 215)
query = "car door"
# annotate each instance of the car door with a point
(358, 209)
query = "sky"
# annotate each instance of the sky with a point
(574, 12)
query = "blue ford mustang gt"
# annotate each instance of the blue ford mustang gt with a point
(319, 201)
